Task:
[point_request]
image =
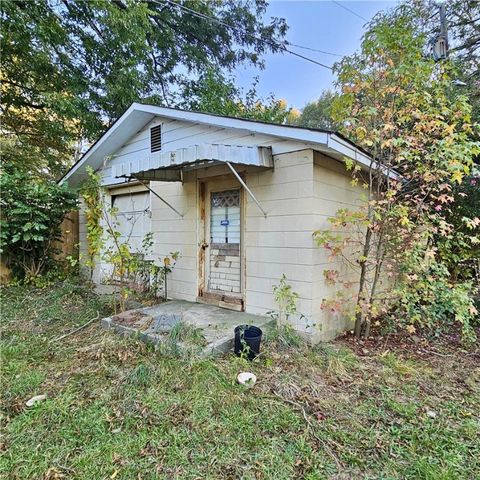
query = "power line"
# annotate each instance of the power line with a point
(268, 42)
(349, 10)
(314, 49)
(238, 29)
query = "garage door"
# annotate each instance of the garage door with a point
(133, 217)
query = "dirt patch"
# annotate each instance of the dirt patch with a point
(447, 345)
(134, 319)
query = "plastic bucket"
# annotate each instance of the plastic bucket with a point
(247, 341)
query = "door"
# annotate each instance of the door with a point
(132, 221)
(133, 218)
(223, 248)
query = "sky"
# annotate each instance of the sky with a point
(319, 24)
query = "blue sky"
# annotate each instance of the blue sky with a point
(320, 24)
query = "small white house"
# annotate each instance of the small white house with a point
(239, 199)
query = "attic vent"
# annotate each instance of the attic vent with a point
(156, 138)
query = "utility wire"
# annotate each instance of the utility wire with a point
(238, 29)
(349, 10)
(314, 49)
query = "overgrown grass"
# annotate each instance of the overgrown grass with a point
(118, 409)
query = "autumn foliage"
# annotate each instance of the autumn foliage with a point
(404, 109)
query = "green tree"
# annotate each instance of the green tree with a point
(460, 248)
(70, 68)
(463, 26)
(216, 94)
(31, 214)
(318, 114)
(463, 20)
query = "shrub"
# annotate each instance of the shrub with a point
(460, 248)
(428, 300)
(31, 213)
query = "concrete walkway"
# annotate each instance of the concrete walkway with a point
(152, 324)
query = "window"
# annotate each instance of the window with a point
(156, 138)
(225, 217)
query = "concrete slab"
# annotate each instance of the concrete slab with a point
(152, 324)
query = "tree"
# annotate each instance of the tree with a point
(70, 68)
(403, 108)
(129, 271)
(459, 249)
(216, 94)
(318, 114)
(463, 26)
(31, 214)
(463, 18)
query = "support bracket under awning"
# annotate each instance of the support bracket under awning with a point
(158, 196)
(244, 185)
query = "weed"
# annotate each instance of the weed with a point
(185, 332)
(284, 337)
(399, 366)
(140, 376)
(336, 361)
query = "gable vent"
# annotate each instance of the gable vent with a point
(156, 138)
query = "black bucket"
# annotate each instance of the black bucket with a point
(247, 341)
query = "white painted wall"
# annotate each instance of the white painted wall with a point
(299, 195)
(171, 233)
(282, 242)
(332, 191)
(179, 134)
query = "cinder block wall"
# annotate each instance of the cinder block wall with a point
(332, 191)
(303, 191)
(282, 242)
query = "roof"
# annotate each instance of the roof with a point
(138, 115)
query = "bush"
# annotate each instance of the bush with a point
(429, 301)
(31, 213)
(460, 248)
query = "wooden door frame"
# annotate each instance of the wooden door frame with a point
(205, 187)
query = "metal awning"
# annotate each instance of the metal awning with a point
(169, 166)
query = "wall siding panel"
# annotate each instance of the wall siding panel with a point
(333, 190)
(179, 134)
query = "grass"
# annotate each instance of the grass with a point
(118, 409)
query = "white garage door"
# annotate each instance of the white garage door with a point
(133, 217)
